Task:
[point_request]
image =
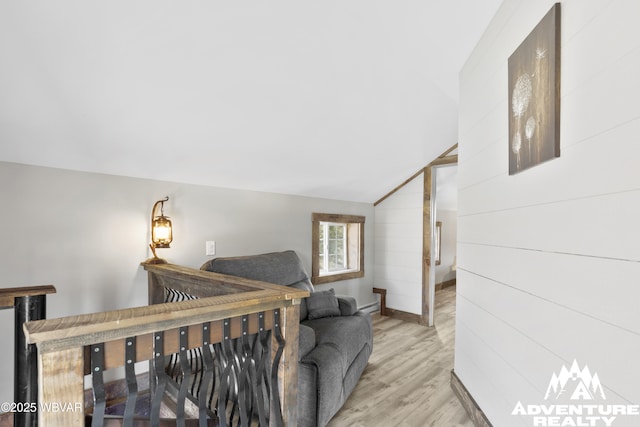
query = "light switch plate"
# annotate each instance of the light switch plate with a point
(210, 248)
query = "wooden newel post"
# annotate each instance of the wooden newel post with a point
(288, 369)
(61, 393)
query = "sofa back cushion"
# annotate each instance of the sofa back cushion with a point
(322, 304)
(281, 268)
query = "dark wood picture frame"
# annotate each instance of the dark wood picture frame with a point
(534, 96)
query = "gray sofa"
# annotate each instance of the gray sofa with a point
(336, 339)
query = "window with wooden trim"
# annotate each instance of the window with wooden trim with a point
(338, 247)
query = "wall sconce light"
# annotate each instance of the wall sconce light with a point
(161, 232)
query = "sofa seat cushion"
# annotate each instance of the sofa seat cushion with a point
(344, 333)
(343, 347)
(307, 341)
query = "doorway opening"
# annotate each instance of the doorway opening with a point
(409, 225)
(439, 177)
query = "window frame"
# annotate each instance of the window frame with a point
(325, 227)
(355, 250)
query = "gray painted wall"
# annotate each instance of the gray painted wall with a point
(87, 233)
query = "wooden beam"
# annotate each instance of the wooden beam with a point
(449, 160)
(437, 161)
(427, 304)
(114, 350)
(87, 329)
(383, 300)
(446, 153)
(408, 180)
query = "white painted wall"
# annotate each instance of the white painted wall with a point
(549, 259)
(86, 234)
(398, 247)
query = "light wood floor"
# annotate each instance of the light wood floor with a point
(407, 380)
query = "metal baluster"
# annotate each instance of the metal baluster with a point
(132, 384)
(218, 362)
(186, 375)
(198, 369)
(225, 373)
(207, 373)
(261, 373)
(245, 393)
(235, 375)
(99, 398)
(160, 377)
(275, 395)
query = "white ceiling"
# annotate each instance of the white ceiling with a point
(337, 99)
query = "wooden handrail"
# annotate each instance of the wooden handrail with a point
(62, 342)
(8, 295)
(203, 283)
(87, 329)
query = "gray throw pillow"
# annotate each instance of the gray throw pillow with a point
(323, 304)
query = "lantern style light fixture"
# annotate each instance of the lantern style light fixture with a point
(161, 232)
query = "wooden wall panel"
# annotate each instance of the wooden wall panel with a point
(562, 332)
(548, 260)
(603, 226)
(518, 365)
(585, 160)
(584, 27)
(481, 367)
(584, 284)
(398, 247)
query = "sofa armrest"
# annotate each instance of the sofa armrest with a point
(307, 340)
(348, 306)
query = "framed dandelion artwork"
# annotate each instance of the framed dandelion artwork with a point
(534, 96)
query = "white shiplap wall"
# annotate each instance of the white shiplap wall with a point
(549, 259)
(398, 246)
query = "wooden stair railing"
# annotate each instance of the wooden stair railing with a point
(29, 303)
(244, 334)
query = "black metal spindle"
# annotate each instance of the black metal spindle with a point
(160, 377)
(262, 379)
(275, 395)
(132, 383)
(226, 366)
(97, 378)
(183, 339)
(244, 380)
(25, 373)
(206, 375)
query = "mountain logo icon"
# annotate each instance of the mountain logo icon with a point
(576, 383)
